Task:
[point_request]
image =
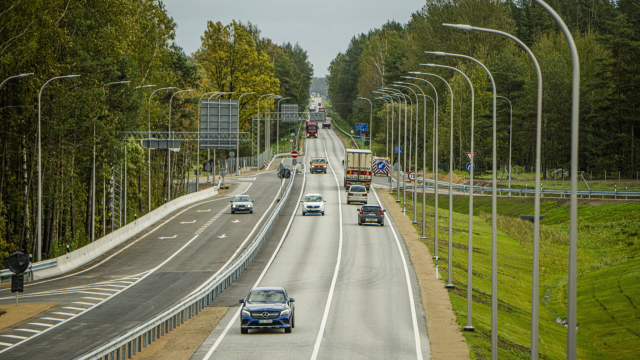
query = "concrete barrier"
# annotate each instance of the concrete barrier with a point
(97, 248)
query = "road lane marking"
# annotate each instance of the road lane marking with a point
(51, 318)
(203, 210)
(74, 308)
(187, 222)
(63, 313)
(5, 344)
(92, 298)
(40, 324)
(15, 337)
(83, 303)
(29, 330)
(325, 315)
(236, 221)
(414, 318)
(167, 237)
(273, 256)
(222, 236)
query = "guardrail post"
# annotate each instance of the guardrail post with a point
(133, 346)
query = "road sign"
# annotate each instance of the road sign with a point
(381, 165)
(469, 155)
(469, 167)
(412, 176)
(290, 141)
(362, 127)
(232, 154)
(361, 137)
(18, 262)
(366, 143)
(398, 148)
(294, 154)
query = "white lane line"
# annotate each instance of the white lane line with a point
(29, 330)
(187, 222)
(103, 289)
(63, 313)
(118, 286)
(275, 252)
(15, 337)
(5, 344)
(203, 210)
(222, 236)
(414, 318)
(91, 298)
(141, 237)
(167, 237)
(74, 308)
(51, 318)
(83, 303)
(93, 293)
(323, 323)
(40, 324)
(235, 221)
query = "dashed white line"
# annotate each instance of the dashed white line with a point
(91, 298)
(187, 222)
(40, 324)
(29, 330)
(167, 237)
(63, 313)
(83, 303)
(5, 344)
(73, 308)
(15, 337)
(51, 318)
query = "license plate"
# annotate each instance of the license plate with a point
(266, 321)
(371, 220)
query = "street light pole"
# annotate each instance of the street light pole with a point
(267, 132)
(392, 97)
(169, 145)
(510, 135)
(13, 77)
(404, 160)
(386, 105)
(258, 131)
(494, 212)
(278, 125)
(39, 225)
(198, 145)
(370, 121)
(238, 136)
(401, 97)
(149, 149)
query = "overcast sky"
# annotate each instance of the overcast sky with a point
(322, 28)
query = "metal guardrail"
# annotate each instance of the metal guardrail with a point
(134, 340)
(33, 267)
(185, 136)
(344, 132)
(520, 192)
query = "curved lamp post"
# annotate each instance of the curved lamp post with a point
(404, 150)
(370, 121)
(13, 77)
(392, 96)
(169, 142)
(494, 211)
(39, 225)
(149, 149)
(510, 135)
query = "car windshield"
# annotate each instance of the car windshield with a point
(312, 198)
(371, 209)
(319, 161)
(242, 198)
(312, 127)
(357, 189)
(266, 296)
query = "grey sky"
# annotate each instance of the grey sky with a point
(322, 28)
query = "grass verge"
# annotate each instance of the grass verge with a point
(609, 241)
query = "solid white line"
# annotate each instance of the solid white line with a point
(15, 337)
(277, 250)
(40, 324)
(414, 318)
(323, 323)
(120, 286)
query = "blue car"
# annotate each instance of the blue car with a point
(267, 308)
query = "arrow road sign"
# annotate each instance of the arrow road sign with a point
(469, 167)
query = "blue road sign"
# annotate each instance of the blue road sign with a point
(381, 165)
(400, 148)
(469, 167)
(362, 127)
(361, 137)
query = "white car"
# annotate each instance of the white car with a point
(313, 204)
(241, 203)
(357, 194)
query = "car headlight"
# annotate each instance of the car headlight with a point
(248, 205)
(246, 313)
(285, 312)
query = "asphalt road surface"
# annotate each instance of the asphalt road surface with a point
(356, 292)
(138, 280)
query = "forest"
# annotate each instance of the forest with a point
(125, 54)
(606, 33)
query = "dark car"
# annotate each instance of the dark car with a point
(370, 214)
(267, 308)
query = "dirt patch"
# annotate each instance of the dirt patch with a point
(12, 314)
(445, 335)
(184, 340)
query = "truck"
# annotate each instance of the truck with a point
(357, 167)
(318, 164)
(312, 129)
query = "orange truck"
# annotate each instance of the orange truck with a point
(318, 165)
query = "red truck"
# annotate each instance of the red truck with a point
(312, 129)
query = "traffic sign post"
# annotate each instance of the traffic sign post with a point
(294, 154)
(362, 127)
(411, 175)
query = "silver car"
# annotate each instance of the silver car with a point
(357, 194)
(313, 204)
(242, 203)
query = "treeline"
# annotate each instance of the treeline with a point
(607, 35)
(319, 85)
(108, 42)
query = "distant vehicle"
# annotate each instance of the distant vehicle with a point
(321, 109)
(241, 203)
(313, 203)
(319, 103)
(318, 164)
(371, 214)
(267, 308)
(326, 125)
(312, 129)
(357, 168)
(357, 194)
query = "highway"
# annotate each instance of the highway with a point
(138, 279)
(356, 293)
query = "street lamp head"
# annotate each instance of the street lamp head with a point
(23, 75)
(143, 86)
(430, 65)
(438, 53)
(459, 26)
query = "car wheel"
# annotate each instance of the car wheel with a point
(251, 212)
(293, 321)
(323, 213)
(382, 224)
(359, 223)
(303, 213)
(287, 330)
(244, 331)
(348, 202)
(233, 212)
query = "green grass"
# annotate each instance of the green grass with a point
(608, 292)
